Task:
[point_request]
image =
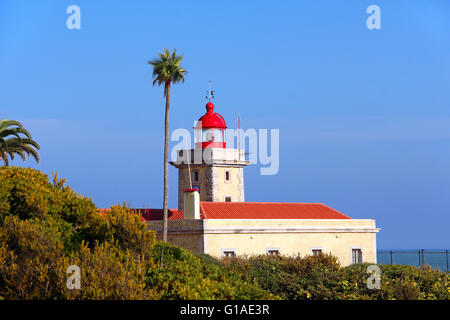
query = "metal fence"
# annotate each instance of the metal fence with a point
(437, 259)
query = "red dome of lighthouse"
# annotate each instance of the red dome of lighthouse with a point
(211, 119)
(209, 129)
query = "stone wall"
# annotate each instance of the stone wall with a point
(186, 234)
(212, 182)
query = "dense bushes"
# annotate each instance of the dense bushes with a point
(321, 277)
(45, 227)
(398, 282)
(31, 260)
(27, 194)
(290, 277)
(185, 276)
(33, 266)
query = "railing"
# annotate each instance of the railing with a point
(437, 259)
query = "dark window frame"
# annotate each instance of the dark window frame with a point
(228, 253)
(357, 255)
(273, 251)
(196, 176)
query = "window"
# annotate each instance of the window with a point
(210, 135)
(273, 251)
(227, 199)
(228, 253)
(356, 255)
(195, 176)
(227, 175)
(316, 251)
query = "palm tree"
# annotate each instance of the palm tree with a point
(12, 143)
(167, 70)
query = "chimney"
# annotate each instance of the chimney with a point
(191, 204)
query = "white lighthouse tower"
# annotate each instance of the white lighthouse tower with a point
(216, 171)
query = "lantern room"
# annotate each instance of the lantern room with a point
(210, 129)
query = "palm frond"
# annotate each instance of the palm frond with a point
(166, 69)
(30, 151)
(18, 142)
(4, 123)
(12, 143)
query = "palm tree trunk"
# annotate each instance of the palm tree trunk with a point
(166, 165)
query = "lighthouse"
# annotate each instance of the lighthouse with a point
(217, 172)
(213, 218)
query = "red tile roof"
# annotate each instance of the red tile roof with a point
(252, 210)
(157, 214)
(268, 210)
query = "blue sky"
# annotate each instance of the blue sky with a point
(363, 114)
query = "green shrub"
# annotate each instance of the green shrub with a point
(29, 260)
(206, 258)
(130, 232)
(181, 275)
(398, 282)
(33, 266)
(46, 227)
(289, 277)
(28, 194)
(108, 272)
(321, 278)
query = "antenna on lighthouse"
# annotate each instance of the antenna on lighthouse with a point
(239, 136)
(209, 93)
